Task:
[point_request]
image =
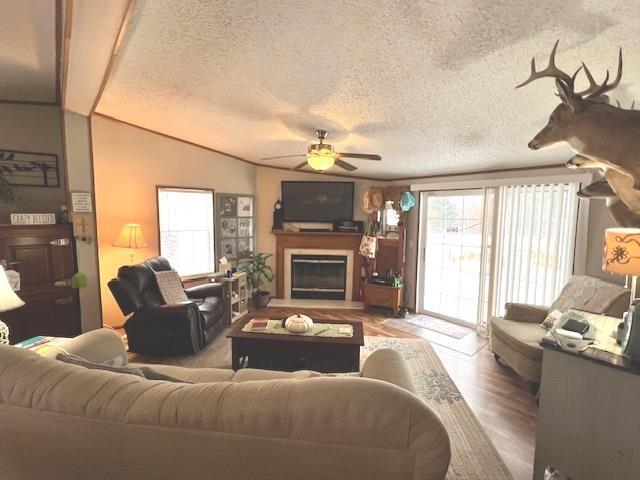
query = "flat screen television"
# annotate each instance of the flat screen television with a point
(317, 201)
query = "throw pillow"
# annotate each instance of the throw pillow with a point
(144, 372)
(171, 287)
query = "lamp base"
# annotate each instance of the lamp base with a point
(4, 333)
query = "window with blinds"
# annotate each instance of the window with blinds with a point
(186, 225)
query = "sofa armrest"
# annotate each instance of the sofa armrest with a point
(101, 346)
(205, 290)
(388, 365)
(523, 312)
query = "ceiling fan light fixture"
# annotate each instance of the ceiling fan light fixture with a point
(320, 161)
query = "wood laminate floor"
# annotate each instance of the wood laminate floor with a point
(497, 396)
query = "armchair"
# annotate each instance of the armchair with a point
(157, 329)
(515, 337)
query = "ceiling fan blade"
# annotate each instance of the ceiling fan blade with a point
(284, 156)
(363, 156)
(345, 165)
(300, 166)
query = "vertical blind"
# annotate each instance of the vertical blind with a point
(535, 244)
(187, 230)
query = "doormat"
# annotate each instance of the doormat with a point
(469, 344)
(441, 326)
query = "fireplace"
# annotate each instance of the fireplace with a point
(319, 276)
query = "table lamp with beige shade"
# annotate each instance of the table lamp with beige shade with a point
(622, 254)
(131, 237)
(8, 301)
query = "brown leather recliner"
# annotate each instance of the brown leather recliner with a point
(158, 329)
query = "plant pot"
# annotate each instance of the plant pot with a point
(260, 299)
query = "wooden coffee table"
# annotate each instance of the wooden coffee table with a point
(295, 352)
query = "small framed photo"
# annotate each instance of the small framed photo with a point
(229, 249)
(245, 247)
(245, 206)
(245, 227)
(229, 227)
(228, 206)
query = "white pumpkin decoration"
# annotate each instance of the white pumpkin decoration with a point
(298, 323)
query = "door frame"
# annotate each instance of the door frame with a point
(422, 249)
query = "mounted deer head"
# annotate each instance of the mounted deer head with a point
(603, 136)
(617, 209)
(566, 116)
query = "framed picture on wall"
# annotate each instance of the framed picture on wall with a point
(228, 249)
(235, 226)
(245, 206)
(228, 205)
(29, 169)
(229, 227)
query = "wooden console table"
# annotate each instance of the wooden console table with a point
(587, 422)
(382, 296)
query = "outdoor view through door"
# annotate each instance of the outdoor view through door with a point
(466, 276)
(453, 255)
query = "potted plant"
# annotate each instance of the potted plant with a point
(257, 271)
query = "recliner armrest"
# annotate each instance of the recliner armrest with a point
(205, 290)
(163, 314)
(524, 312)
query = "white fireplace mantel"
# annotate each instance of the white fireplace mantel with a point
(288, 252)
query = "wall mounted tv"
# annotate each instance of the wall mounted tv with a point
(317, 201)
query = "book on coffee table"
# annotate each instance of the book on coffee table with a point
(259, 324)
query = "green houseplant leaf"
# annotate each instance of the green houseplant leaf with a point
(257, 270)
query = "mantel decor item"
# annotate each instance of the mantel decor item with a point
(8, 301)
(257, 270)
(131, 237)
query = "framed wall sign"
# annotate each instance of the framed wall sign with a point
(81, 202)
(235, 226)
(30, 169)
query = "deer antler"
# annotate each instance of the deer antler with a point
(593, 92)
(550, 71)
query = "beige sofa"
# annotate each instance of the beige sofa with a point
(62, 421)
(515, 337)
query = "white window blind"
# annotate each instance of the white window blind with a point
(536, 235)
(186, 224)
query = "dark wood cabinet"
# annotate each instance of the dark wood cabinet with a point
(44, 255)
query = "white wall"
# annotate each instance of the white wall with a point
(268, 191)
(80, 179)
(128, 165)
(33, 128)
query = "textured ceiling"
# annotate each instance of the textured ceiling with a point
(95, 27)
(28, 53)
(429, 85)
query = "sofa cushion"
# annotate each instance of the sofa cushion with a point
(522, 337)
(143, 371)
(590, 295)
(213, 375)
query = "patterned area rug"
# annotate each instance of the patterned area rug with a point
(441, 326)
(473, 455)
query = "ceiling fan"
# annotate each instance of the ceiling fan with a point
(320, 156)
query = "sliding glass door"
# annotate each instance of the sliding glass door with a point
(481, 248)
(453, 239)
